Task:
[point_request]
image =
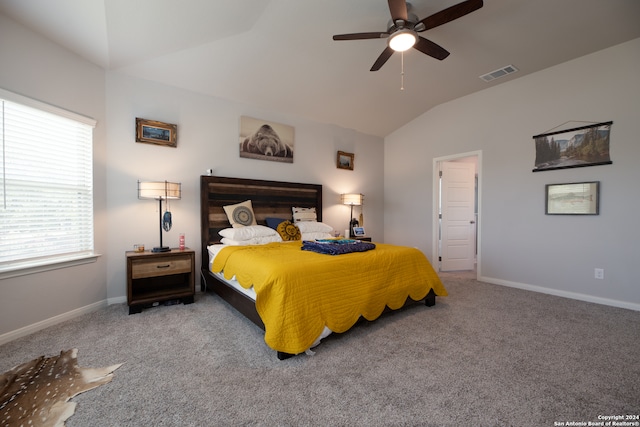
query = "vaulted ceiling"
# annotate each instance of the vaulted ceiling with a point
(279, 54)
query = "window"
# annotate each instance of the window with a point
(46, 186)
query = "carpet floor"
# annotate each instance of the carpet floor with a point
(486, 355)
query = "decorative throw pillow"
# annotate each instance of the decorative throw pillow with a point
(288, 231)
(274, 222)
(240, 214)
(304, 214)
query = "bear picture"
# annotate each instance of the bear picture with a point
(264, 140)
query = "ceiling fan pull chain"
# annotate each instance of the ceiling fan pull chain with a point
(402, 71)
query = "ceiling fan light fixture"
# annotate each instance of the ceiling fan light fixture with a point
(402, 40)
(404, 26)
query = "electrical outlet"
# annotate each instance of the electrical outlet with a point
(599, 273)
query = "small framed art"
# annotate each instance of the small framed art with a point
(345, 160)
(153, 132)
(575, 198)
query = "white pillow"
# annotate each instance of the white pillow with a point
(248, 232)
(255, 241)
(304, 214)
(316, 235)
(314, 227)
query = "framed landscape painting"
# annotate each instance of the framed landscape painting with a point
(573, 148)
(575, 198)
(154, 132)
(345, 160)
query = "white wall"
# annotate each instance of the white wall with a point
(520, 245)
(37, 68)
(207, 138)
(208, 131)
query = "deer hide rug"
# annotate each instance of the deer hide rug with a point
(37, 393)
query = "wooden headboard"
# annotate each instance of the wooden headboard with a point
(269, 199)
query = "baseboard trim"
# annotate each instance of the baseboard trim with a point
(116, 300)
(564, 294)
(28, 330)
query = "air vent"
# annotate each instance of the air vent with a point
(499, 73)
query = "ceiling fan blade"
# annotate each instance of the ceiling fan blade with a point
(430, 48)
(361, 36)
(398, 9)
(384, 56)
(450, 13)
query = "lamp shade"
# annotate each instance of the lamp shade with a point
(354, 199)
(159, 190)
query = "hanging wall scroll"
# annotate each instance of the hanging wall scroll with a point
(573, 148)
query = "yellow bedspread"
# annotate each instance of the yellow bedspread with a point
(299, 292)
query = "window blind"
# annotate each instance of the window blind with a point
(46, 184)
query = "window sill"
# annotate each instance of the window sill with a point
(33, 267)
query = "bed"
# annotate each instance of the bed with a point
(324, 291)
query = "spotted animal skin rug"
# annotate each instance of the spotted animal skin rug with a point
(37, 393)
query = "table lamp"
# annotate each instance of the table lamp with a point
(160, 190)
(354, 199)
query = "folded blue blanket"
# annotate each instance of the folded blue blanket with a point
(336, 247)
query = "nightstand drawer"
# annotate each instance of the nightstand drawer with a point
(160, 267)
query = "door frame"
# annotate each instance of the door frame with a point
(436, 205)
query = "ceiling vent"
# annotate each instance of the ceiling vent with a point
(499, 73)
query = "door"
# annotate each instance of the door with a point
(458, 222)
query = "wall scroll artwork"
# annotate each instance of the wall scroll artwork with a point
(152, 132)
(573, 148)
(264, 140)
(576, 198)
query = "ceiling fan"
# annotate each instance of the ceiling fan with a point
(404, 27)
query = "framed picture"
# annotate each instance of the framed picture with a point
(573, 148)
(576, 198)
(345, 160)
(265, 140)
(159, 133)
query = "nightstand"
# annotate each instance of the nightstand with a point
(363, 239)
(154, 277)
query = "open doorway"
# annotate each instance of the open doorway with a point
(457, 200)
